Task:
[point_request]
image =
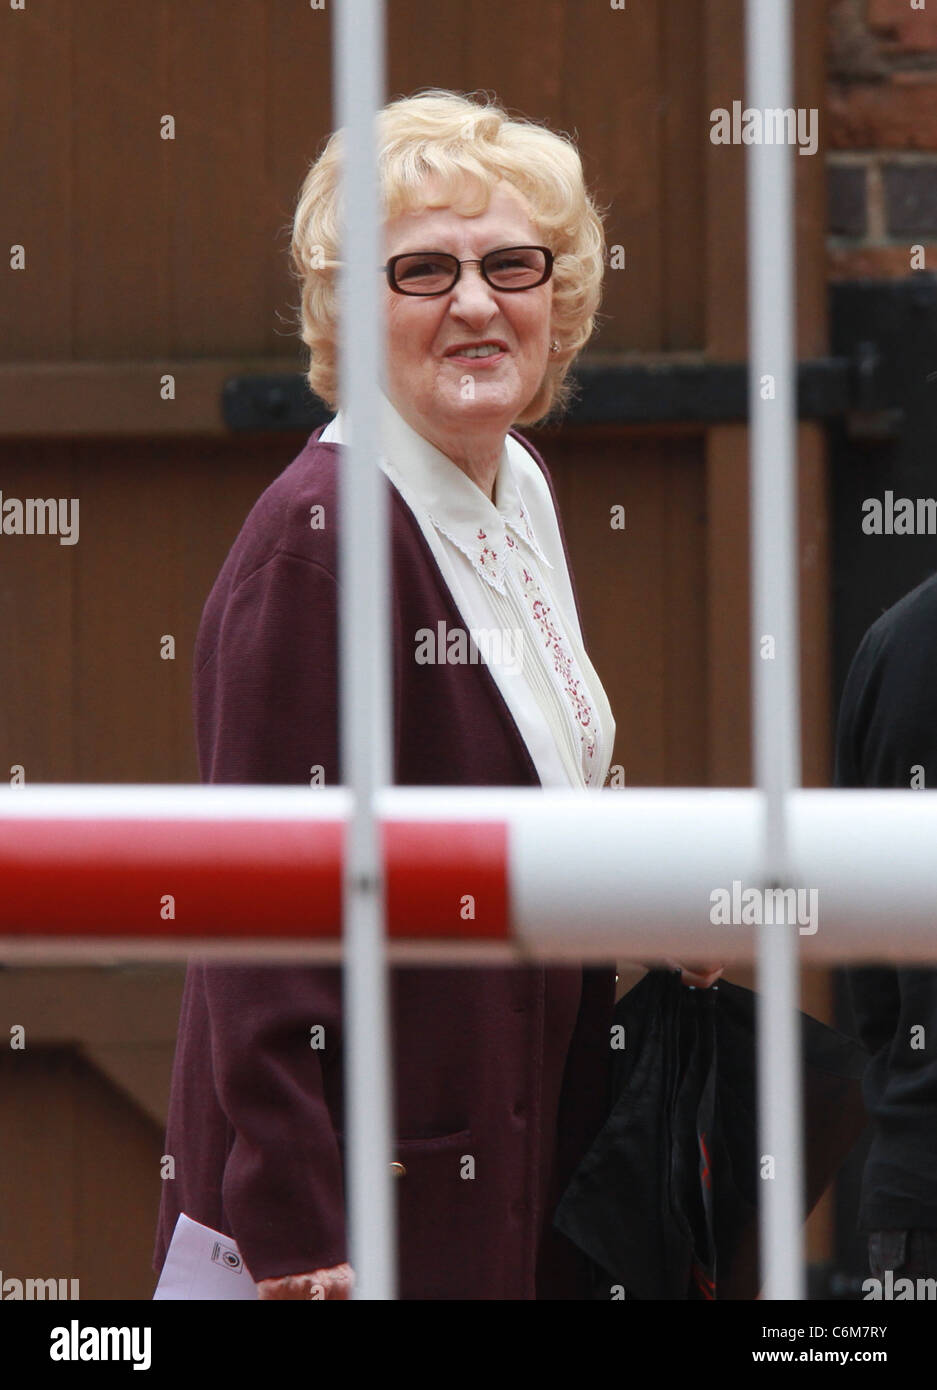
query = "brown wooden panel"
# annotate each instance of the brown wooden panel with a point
(117, 1191)
(685, 135)
(121, 180)
(122, 400)
(642, 590)
(723, 210)
(526, 58)
(38, 1102)
(297, 102)
(92, 700)
(428, 45)
(614, 108)
(38, 189)
(728, 612)
(37, 594)
(178, 247)
(139, 246)
(221, 220)
(79, 1171)
(123, 1017)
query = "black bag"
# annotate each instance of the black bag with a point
(665, 1202)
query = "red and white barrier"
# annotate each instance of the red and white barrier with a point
(470, 873)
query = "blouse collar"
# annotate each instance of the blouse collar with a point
(483, 530)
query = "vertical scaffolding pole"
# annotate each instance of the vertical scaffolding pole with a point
(365, 687)
(775, 675)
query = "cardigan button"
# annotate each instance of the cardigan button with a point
(398, 1170)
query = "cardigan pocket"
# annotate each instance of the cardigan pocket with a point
(423, 1147)
(442, 1217)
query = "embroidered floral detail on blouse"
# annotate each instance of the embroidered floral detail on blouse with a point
(485, 564)
(565, 668)
(519, 522)
(487, 556)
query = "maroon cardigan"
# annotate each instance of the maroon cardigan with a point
(508, 1064)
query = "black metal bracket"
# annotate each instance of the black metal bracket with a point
(700, 392)
(278, 401)
(627, 393)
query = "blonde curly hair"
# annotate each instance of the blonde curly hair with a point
(469, 145)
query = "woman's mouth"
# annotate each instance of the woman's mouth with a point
(486, 356)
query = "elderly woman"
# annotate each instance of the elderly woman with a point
(494, 263)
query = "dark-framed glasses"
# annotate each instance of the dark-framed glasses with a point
(435, 272)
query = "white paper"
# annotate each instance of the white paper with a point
(203, 1264)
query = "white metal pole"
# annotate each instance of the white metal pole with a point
(774, 635)
(365, 687)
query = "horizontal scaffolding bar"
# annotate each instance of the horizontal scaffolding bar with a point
(473, 874)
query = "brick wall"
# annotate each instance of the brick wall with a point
(881, 145)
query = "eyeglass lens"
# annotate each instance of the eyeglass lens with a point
(517, 268)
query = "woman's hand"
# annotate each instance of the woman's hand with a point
(697, 975)
(336, 1282)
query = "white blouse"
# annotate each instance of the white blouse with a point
(504, 565)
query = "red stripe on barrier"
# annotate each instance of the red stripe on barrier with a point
(114, 878)
(447, 879)
(220, 878)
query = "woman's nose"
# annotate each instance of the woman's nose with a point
(472, 291)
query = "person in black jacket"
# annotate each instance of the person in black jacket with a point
(887, 737)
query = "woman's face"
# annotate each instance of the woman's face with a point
(437, 393)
